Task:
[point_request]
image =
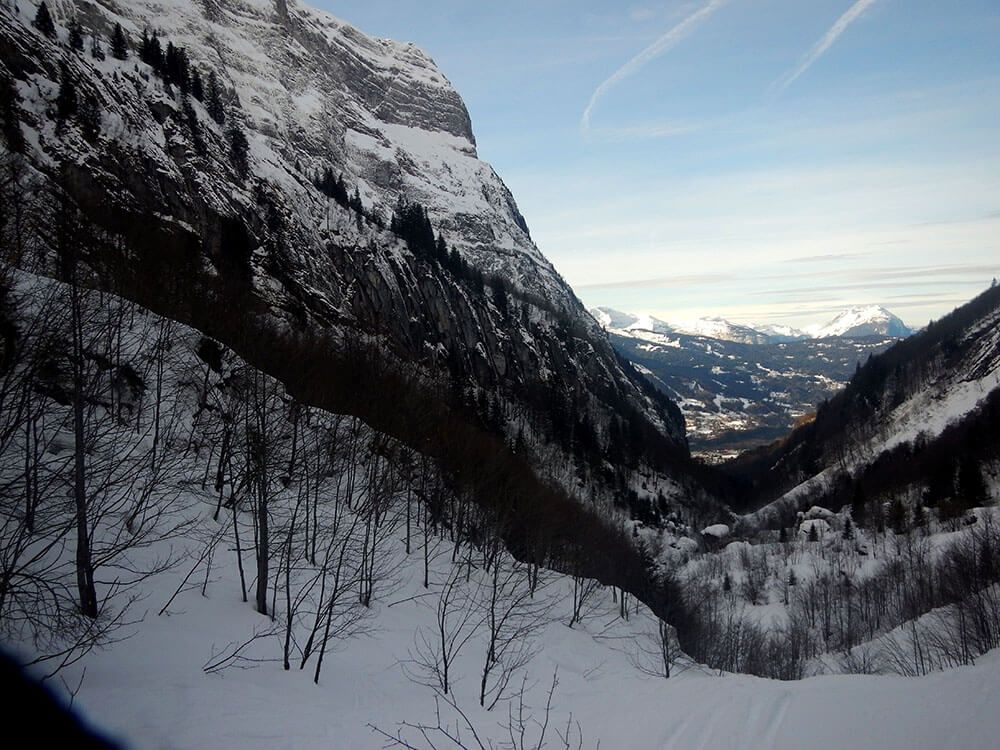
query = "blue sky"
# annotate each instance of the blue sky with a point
(764, 160)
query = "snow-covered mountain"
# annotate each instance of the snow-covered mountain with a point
(615, 320)
(857, 322)
(781, 333)
(722, 329)
(716, 328)
(226, 228)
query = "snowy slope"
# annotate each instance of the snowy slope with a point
(599, 684)
(615, 320)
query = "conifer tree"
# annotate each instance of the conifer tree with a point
(10, 114)
(191, 118)
(971, 487)
(144, 47)
(75, 36)
(878, 518)
(813, 534)
(66, 100)
(96, 49)
(859, 507)
(119, 43)
(90, 118)
(898, 517)
(176, 67)
(848, 532)
(43, 21)
(197, 88)
(214, 100)
(151, 52)
(239, 149)
(340, 192)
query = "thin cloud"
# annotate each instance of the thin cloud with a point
(657, 48)
(645, 132)
(664, 282)
(805, 292)
(932, 271)
(825, 258)
(858, 9)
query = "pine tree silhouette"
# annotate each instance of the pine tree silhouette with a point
(43, 21)
(214, 100)
(75, 36)
(10, 114)
(119, 43)
(848, 532)
(197, 88)
(66, 100)
(859, 507)
(90, 118)
(239, 149)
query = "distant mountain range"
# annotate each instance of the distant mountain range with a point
(742, 385)
(857, 322)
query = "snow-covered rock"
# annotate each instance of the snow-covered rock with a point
(716, 531)
(821, 527)
(818, 512)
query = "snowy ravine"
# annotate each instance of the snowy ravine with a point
(175, 676)
(947, 395)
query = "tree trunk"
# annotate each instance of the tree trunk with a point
(84, 563)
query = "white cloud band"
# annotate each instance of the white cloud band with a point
(666, 42)
(858, 9)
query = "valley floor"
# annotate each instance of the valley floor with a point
(150, 690)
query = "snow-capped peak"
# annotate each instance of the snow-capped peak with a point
(618, 321)
(857, 322)
(720, 328)
(870, 320)
(628, 324)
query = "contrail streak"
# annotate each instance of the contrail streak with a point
(820, 48)
(657, 48)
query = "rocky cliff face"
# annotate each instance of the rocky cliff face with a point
(313, 93)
